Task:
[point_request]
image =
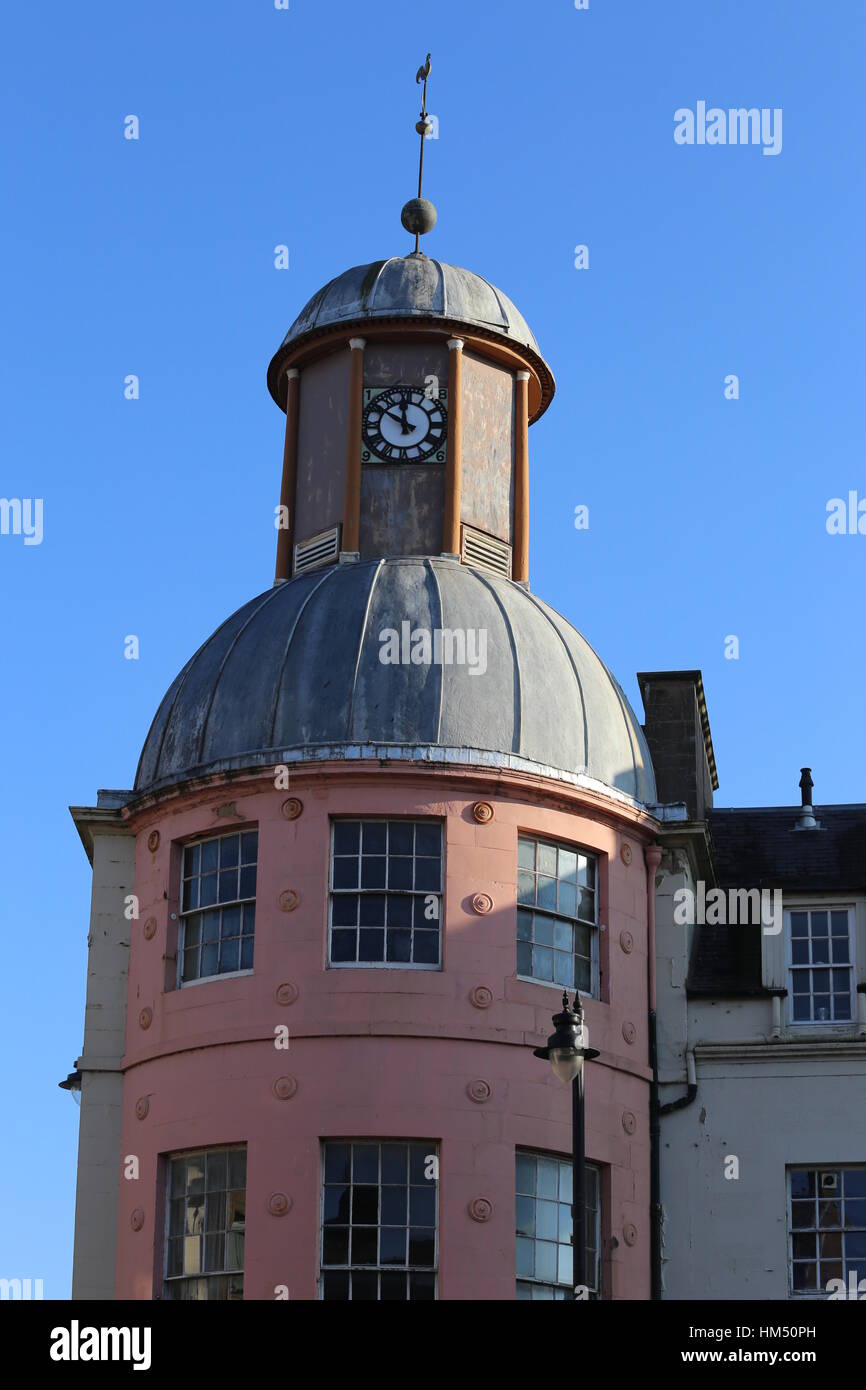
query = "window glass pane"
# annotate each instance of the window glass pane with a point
(345, 873)
(525, 887)
(209, 856)
(525, 853)
(542, 930)
(567, 899)
(373, 871)
(548, 1177)
(563, 969)
(542, 963)
(546, 893)
(371, 909)
(525, 1174)
(546, 859)
(230, 848)
(375, 837)
(428, 839)
(347, 837)
(567, 866)
(400, 837)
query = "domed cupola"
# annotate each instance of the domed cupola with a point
(333, 665)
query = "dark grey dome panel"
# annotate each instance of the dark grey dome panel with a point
(299, 669)
(412, 286)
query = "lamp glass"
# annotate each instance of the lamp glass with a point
(566, 1063)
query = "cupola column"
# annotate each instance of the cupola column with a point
(520, 558)
(288, 487)
(351, 545)
(454, 451)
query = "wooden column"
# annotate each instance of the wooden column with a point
(520, 550)
(454, 450)
(286, 535)
(351, 542)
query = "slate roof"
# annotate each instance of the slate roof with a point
(759, 848)
(298, 668)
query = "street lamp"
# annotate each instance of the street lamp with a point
(566, 1054)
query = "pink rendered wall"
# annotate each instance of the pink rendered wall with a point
(385, 1053)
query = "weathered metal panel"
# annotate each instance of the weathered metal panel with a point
(322, 439)
(401, 509)
(488, 447)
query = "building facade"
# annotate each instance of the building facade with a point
(761, 955)
(385, 815)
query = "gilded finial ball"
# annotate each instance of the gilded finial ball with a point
(418, 216)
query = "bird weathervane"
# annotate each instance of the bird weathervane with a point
(419, 214)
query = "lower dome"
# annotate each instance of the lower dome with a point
(337, 662)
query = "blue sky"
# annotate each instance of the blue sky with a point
(156, 257)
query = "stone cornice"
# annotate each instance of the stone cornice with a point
(569, 793)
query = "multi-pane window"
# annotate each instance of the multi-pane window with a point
(826, 1226)
(557, 896)
(379, 1221)
(218, 906)
(386, 893)
(544, 1251)
(206, 1200)
(820, 968)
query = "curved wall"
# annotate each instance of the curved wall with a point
(383, 1053)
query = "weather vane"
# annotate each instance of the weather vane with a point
(419, 214)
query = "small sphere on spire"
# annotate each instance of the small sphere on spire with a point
(418, 216)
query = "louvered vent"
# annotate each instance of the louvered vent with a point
(486, 551)
(318, 550)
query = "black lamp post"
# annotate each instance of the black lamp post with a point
(566, 1054)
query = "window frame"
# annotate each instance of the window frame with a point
(595, 1294)
(594, 991)
(167, 1159)
(182, 916)
(809, 906)
(361, 820)
(814, 1295)
(433, 1150)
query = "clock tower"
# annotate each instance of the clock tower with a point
(397, 856)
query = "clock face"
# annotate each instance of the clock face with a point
(402, 424)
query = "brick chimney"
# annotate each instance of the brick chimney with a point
(678, 733)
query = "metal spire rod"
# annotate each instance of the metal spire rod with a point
(421, 76)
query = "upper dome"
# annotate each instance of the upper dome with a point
(296, 673)
(413, 286)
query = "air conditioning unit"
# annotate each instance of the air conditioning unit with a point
(322, 549)
(829, 1182)
(486, 552)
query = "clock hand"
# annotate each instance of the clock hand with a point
(407, 429)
